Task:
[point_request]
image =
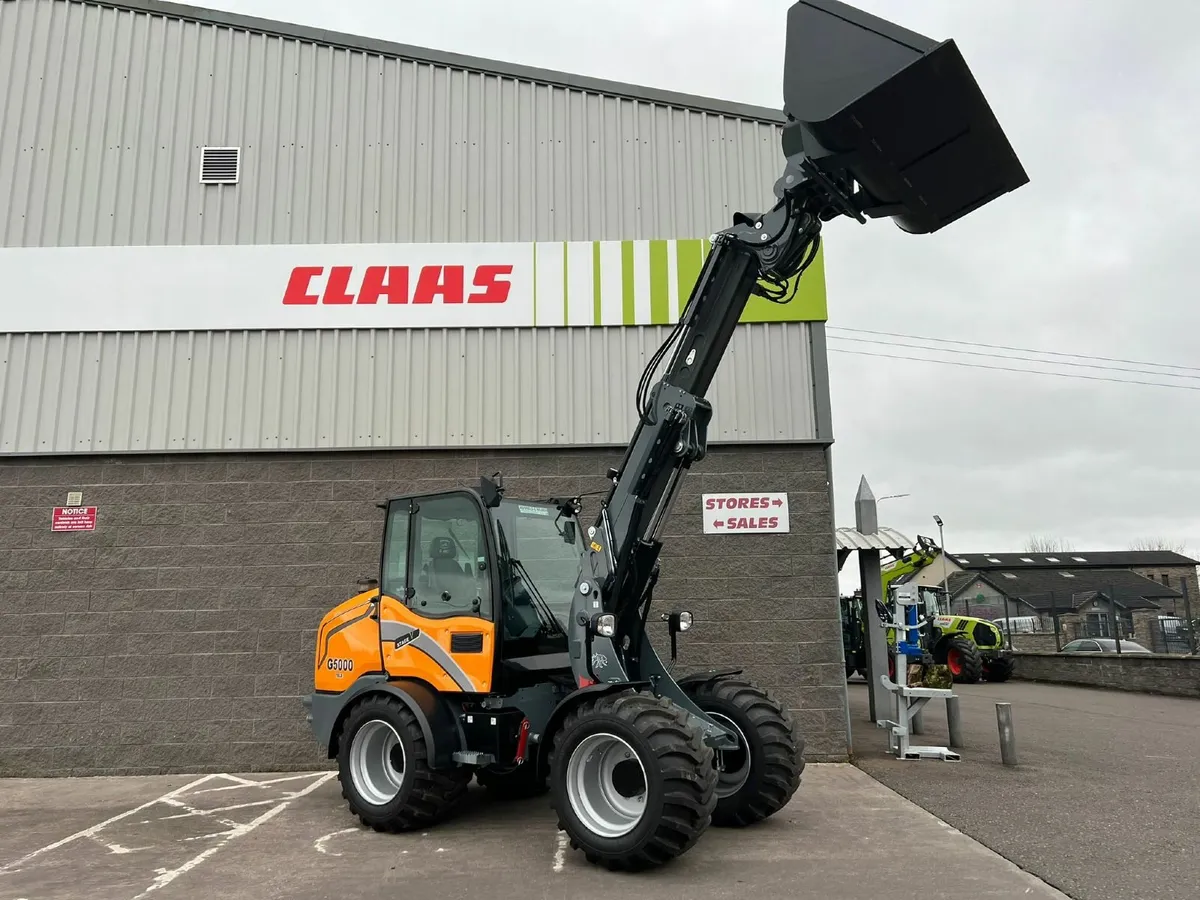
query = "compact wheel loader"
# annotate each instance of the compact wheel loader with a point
(506, 640)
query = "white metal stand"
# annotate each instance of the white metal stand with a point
(908, 701)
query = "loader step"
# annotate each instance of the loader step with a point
(473, 758)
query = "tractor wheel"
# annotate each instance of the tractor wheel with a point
(515, 783)
(383, 767)
(964, 661)
(998, 669)
(633, 784)
(759, 778)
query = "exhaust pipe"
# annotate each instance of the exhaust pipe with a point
(893, 118)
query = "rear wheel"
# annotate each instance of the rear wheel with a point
(998, 669)
(963, 660)
(383, 768)
(759, 778)
(632, 782)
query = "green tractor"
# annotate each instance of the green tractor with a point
(971, 648)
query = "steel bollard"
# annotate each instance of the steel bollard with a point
(954, 721)
(1008, 741)
(917, 722)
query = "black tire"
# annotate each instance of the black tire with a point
(962, 656)
(514, 783)
(775, 753)
(680, 779)
(425, 795)
(998, 669)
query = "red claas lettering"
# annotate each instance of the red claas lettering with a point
(397, 285)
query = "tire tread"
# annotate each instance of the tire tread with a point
(783, 749)
(688, 770)
(433, 794)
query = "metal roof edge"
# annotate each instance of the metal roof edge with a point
(431, 56)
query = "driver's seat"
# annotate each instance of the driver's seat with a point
(446, 574)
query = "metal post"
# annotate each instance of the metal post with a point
(1008, 741)
(866, 520)
(917, 722)
(1054, 619)
(1007, 623)
(1187, 612)
(1116, 624)
(942, 554)
(954, 721)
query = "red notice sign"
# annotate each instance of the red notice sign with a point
(73, 518)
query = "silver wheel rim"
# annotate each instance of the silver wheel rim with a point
(377, 762)
(733, 766)
(606, 785)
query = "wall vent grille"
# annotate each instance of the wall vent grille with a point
(220, 165)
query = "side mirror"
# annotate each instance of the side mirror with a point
(569, 532)
(677, 622)
(489, 492)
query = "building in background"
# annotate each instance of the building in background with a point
(259, 276)
(982, 580)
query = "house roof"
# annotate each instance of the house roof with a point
(1065, 589)
(1103, 559)
(322, 36)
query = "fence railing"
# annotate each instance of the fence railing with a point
(1091, 620)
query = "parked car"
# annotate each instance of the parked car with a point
(1102, 645)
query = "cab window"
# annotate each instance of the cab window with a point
(450, 575)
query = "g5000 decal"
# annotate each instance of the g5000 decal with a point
(334, 664)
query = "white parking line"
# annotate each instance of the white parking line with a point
(243, 783)
(166, 877)
(89, 832)
(560, 854)
(319, 843)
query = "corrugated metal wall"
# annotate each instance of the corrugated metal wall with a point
(354, 389)
(103, 113)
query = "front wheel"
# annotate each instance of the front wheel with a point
(632, 782)
(383, 767)
(761, 776)
(964, 661)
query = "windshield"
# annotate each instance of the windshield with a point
(534, 533)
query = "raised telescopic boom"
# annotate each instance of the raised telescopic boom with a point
(881, 123)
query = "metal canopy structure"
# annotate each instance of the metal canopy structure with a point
(883, 539)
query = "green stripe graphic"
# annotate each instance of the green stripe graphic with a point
(687, 256)
(597, 315)
(689, 260)
(659, 284)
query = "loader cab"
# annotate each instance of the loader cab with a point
(487, 579)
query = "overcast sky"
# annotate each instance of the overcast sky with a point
(1097, 255)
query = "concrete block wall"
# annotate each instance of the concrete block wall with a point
(178, 636)
(1177, 676)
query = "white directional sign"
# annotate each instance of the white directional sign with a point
(764, 512)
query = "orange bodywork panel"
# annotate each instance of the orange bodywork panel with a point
(347, 643)
(453, 654)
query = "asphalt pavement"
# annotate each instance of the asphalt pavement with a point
(1104, 802)
(258, 837)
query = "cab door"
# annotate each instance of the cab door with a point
(437, 593)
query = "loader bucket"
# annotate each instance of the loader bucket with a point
(894, 111)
